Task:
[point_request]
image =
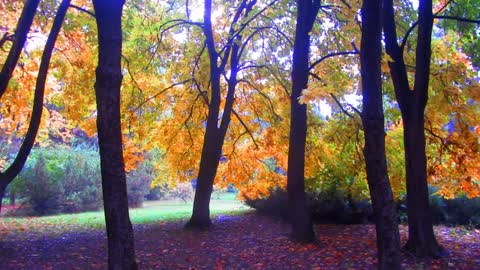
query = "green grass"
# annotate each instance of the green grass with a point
(153, 211)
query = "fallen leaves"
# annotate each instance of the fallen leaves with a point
(241, 242)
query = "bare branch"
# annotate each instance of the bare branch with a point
(460, 19)
(83, 10)
(246, 128)
(330, 55)
(341, 106)
(159, 93)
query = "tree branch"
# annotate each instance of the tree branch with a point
(159, 93)
(330, 55)
(246, 128)
(460, 19)
(83, 10)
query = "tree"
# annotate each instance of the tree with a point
(14, 169)
(215, 133)
(412, 103)
(19, 38)
(388, 237)
(299, 215)
(121, 250)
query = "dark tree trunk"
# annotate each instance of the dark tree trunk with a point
(211, 146)
(14, 169)
(388, 238)
(299, 214)
(412, 104)
(208, 168)
(12, 197)
(121, 250)
(214, 135)
(3, 187)
(23, 26)
(421, 238)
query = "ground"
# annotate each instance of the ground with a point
(245, 241)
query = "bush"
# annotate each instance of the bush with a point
(138, 184)
(44, 194)
(69, 180)
(324, 207)
(334, 207)
(182, 191)
(157, 193)
(458, 211)
(60, 180)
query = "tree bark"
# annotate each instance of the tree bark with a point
(121, 250)
(14, 169)
(388, 238)
(299, 214)
(412, 105)
(23, 26)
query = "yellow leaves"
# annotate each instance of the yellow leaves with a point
(307, 95)
(384, 64)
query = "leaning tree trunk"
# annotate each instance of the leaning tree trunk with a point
(14, 169)
(214, 135)
(388, 238)
(121, 251)
(208, 168)
(23, 26)
(299, 214)
(412, 105)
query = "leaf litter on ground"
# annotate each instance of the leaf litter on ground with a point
(249, 241)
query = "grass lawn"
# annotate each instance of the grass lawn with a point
(152, 211)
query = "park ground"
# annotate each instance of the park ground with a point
(239, 239)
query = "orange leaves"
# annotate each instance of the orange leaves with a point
(132, 155)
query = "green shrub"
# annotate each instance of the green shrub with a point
(69, 180)
(458, 211)
(335, 207)
(326, 207)
(138, 184)
(43, 192)
(60, 180)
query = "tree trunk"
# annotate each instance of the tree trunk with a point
(12, 197)
(3, 187)
(121, 250)
(208, 168)
(214, 135)
(299, 214)
(412, 105)
(421, 238)
(23, 26)
(388, 238)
